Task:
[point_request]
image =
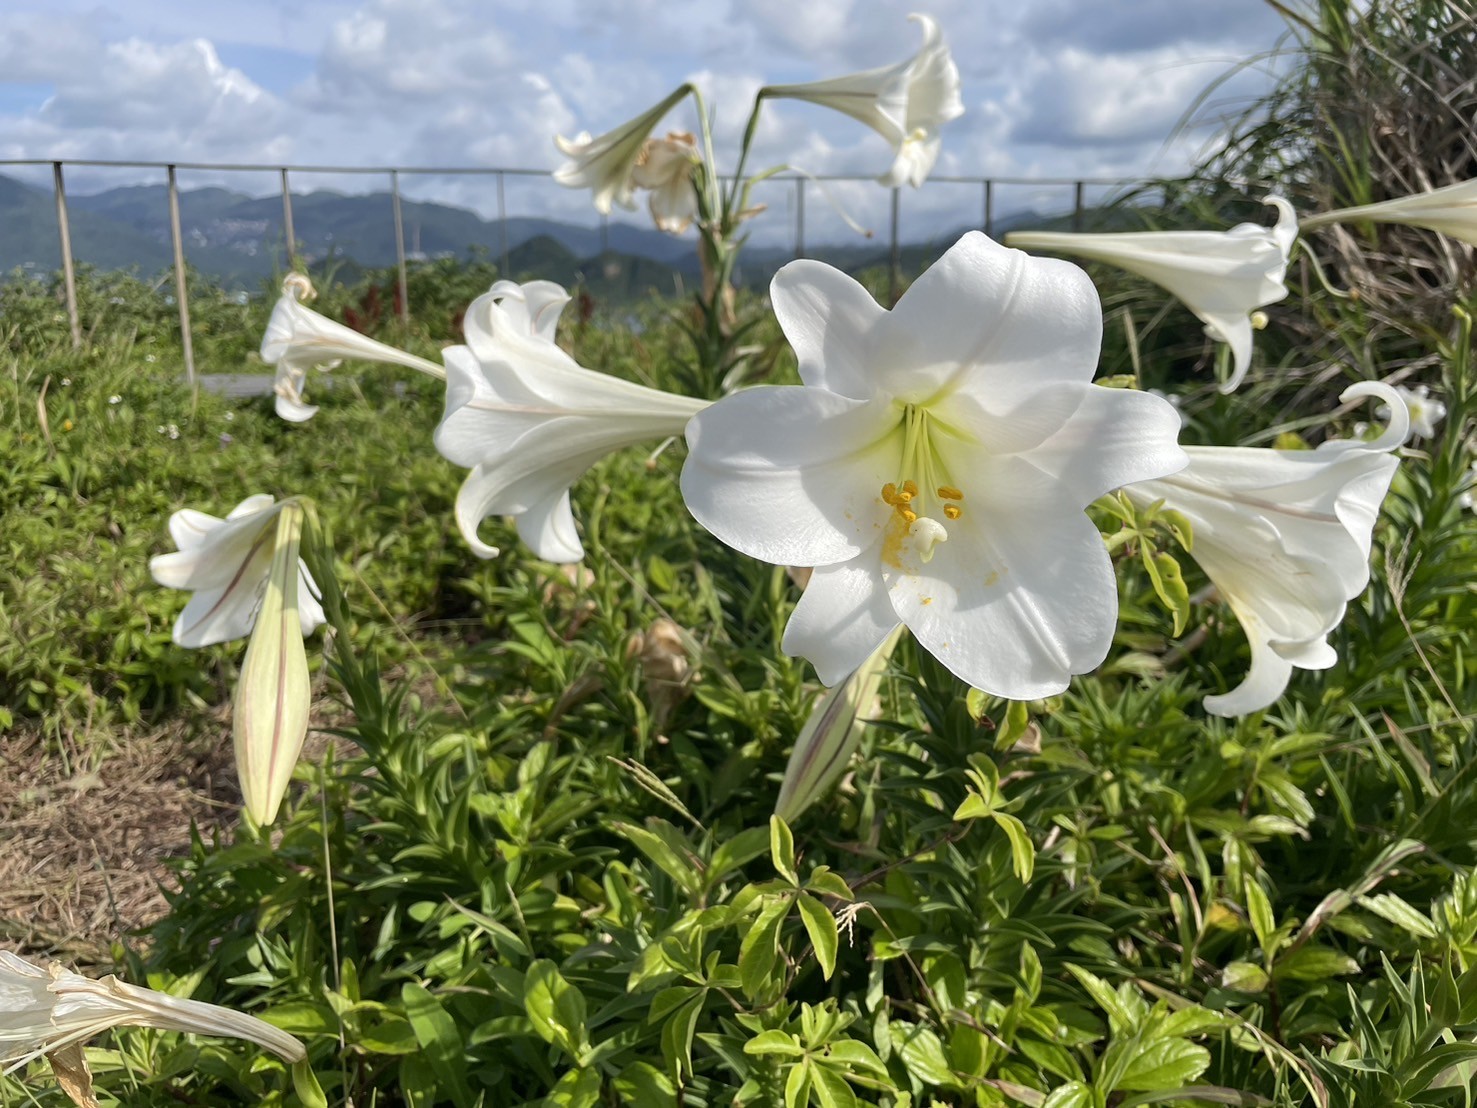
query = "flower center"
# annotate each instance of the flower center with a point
(914, 527)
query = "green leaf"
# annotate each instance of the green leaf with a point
(1244, 977)
(1014, 727)
(642, 1085)
(1417, 1075)
(922, 1053)
(556, 1008)
(668, 860)
(441, 1043)
(1259, 912)
(782, 849)
(733, 853)
(678, 1031)
(1312, 963)
(1022, 851)
(760, 948)
(820, 925)
(857, 1055)
(774, 1041)
(1120, 1019)
(578, 1088)
(1163, 1064)
(974, 806)
(1074, 1094)
(797, 1085)
(831, 1088)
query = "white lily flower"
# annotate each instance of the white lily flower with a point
(1425, 410)
(935, 467)
(299, 338)
(47, 1010)
(226, 563)
(605, 164)
(1451, 210)
(905, 103)
(1284, 535)
(529, 421)
(1221, 276)
(665, 167)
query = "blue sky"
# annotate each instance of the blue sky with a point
(1061, 88)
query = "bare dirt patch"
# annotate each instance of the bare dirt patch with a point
(84, 847)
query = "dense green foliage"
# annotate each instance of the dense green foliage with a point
(542, 868)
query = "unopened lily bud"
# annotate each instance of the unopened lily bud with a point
(273, 694)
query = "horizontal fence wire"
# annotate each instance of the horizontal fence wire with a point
(392, 174)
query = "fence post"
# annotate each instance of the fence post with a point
(289, 236)
(403, 286)
(1077, 207)
(989, 208)
(799, 217)
(69, 272)
(502, 222)
(895, 270)
(180, 296)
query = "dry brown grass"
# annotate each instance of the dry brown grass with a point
(87, 838)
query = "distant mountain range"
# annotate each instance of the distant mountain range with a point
(237, 240)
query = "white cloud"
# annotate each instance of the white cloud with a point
(1060, 87)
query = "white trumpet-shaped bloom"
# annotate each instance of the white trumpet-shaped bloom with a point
(605, 165)
(1424, 409)
(935, 467)
(906, 103)
(47, 1010)
(665, 166)
(1451, 210)
(226, 564)
(1284, 535)
(1221, 276)
(299, 339)
(529, 421)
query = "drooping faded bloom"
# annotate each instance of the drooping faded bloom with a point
(529, 421)
(935, 467)
(299, 339)
(906, 103)
(1451, 210)
(1284, 535)
(665, 166)
(248, 579)
(226, 563)
(605, 165)
(1221, 276)
(47, 1010)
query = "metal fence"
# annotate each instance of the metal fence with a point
(987, 195)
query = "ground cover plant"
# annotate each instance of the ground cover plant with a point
(531, 855)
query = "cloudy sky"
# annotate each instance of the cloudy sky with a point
(1052, 88)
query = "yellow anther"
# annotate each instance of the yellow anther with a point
(910, 489)
(953, 511)
(904, 497)
(908, 516)
(949, 492)
(889, 493)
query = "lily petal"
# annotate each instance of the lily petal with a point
(792, 475)
(843, 615)
(1221, 276)
(1045, 587)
